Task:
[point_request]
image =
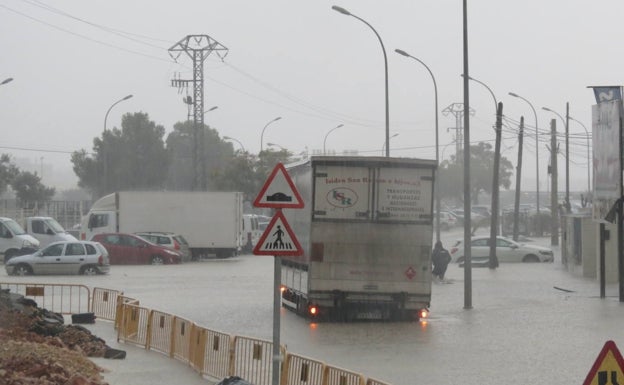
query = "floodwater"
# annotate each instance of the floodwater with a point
(521, 329)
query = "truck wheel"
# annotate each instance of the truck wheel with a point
(22, 270)
(89, 270)
(157, 260)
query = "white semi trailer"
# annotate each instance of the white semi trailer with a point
(366, 232)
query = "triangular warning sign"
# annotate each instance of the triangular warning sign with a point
(608, 368)
(278, 239)
(279, 191)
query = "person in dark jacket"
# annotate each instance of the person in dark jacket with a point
(440, 258)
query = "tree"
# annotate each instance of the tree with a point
(451, 173)
(8, 172)
(30, 191)
(132, 158)
(217, 155)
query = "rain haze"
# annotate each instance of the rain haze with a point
(313, 67)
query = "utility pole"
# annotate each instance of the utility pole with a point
(554, 204)
(493, 262)
(567, 139)
(198, 48)
(518, 174)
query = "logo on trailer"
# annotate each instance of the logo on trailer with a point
(342, 197)
(410, 273)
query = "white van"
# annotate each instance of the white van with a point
(46, 230)
(14, 240)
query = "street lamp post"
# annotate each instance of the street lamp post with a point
(235, 140)
(7, 80)
(104, 147)
(113, 105)
(536, 150)
(385, 145)
(565, 124)
(588, 153)
(437, 179)
(262, 135)
(328, 132)
(345, 12)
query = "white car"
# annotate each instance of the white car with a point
(506, 251)
(65, 257)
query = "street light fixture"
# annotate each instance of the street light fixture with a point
(211, 109)
(345, 12)
(235, 140)
(437, 180)
(536, 150)
(588, 153)
(328, 132)
(113, 105)
(5, 81)
(386, 146)
(262, 135)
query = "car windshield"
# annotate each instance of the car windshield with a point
(14, 227)
(54, 225)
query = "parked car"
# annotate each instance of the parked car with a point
(506, 251)
(171, 240)
(130, 249)
(64, 257)
(447, 220)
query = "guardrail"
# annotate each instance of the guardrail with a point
(209, 352)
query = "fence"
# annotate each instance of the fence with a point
(67, 213)
(209, 352)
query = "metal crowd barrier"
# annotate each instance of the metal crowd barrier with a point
(210, 353)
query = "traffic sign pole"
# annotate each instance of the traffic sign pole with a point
(277, 305)
(278, 192)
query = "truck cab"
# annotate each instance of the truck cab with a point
(14, 240)
(46, 230)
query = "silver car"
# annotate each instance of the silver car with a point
(65, 257)
(506, 251)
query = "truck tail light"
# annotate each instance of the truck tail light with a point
(423, 313)
(313, 310)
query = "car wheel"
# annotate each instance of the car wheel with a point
(23, 270)
(157, 260)
(530, 258)
(89, 270)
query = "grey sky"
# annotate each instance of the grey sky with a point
(310, 65)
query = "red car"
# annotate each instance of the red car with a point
(129, 249)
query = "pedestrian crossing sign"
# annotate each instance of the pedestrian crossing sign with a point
(608, 368)
(278, 239)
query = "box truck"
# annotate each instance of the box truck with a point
(366, 231)
(211, 222)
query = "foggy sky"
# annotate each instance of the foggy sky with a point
(312, 66)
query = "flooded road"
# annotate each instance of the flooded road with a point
(521, 329)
